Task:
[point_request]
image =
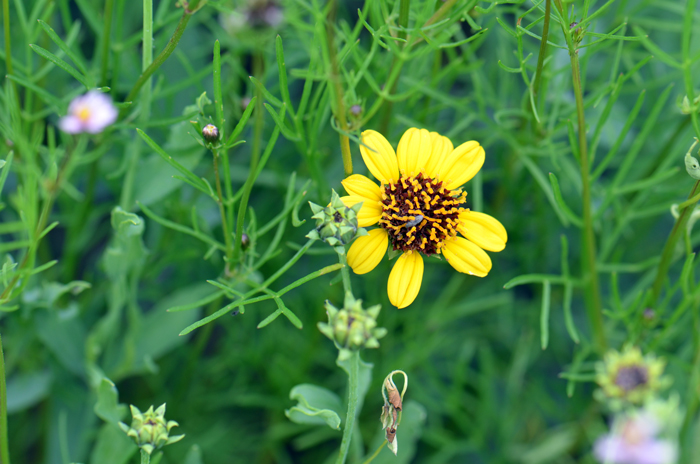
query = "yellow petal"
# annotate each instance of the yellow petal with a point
(361, 186)
(462, 164)
(367, 251)
(441, 148)
(380, 157)
(413, 151)
(405, 279)
(369, 213)
(466, 257)
(484, 230)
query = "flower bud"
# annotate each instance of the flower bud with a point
(352, 328)
(687, 108)
(336, 224)
(210, 133)
(245, 241)
(150, 430)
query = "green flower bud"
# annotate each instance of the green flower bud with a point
(352, 328)
(150, 430)
(687, 108)
(336, 224)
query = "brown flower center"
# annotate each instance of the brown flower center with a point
(419, 213)
(630, 377)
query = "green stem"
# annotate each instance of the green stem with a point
(543, 50)
(376, 453)
(339, 107)
(144, 105)
(145, 457)
(106, 34)
(224, 221)
(404, 8)
(353, 381)
(345, 270)
(258, 71)
(594, 305)
(667, 253)
(4, 447)
(167, 51)
(8, 36)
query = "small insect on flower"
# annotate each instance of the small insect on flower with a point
(90, 113)
(414, 222)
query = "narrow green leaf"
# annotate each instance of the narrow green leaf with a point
(66, 49)
(568, 317)
(46, 96)
(544, 314)
(169, 159)
(241, 123)
(197, 304)
(538, 278)
(653, 48)
(284, 86)
(62, 64)
(560, 201)
(265, 322)
(268, 96)
(287, 132)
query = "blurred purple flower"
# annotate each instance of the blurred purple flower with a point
(90, 113)
(633, 441)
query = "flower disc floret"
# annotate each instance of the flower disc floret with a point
(420, 214)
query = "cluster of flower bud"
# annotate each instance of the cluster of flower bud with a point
(352, 328)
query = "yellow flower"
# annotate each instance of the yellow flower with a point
(420, 210)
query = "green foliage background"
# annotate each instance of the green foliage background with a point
(87, 300)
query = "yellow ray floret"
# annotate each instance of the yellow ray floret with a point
(405, 279)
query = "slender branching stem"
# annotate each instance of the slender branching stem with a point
(543, 50)
(376, 453)
(340, 114)
(224, 223)
(594, 305)
(345, 270)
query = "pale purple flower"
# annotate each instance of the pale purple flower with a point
(633, 440)
(90, 113)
